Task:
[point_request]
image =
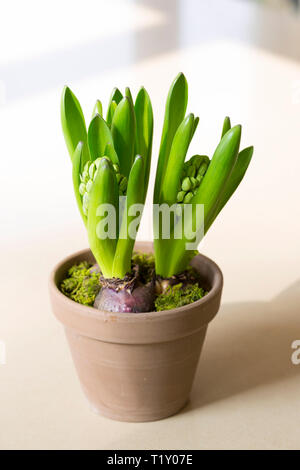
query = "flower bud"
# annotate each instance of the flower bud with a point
(193, 182)
(191, 170)
(92, 170)
(89, 185)
(180, 196)
(188, 197)
(186, 184)
(85, 203)
(85, 173)
(202, 169)
(196, 161)
(82, 188)
(123, 185)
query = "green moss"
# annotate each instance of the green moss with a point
(81, 284)
(146, 264)
(177, 296)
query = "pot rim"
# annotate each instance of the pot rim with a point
(84, 310)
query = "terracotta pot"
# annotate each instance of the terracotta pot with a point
(137, 367)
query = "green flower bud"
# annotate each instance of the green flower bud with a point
(186, 184)
(88, 176)
(191, 170)
(123, 185)
(193, 182)
(82, 188)
(202, 169)
(188, 197)
(85, 203)
(180, 196)
(85, 173)
(196, 161)
(89, 185)
(92, 170)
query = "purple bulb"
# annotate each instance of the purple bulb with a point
(141, 299)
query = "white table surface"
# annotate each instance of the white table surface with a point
(246, 393)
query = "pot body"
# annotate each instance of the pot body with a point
(137, 367)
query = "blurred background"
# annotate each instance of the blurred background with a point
(241, 58)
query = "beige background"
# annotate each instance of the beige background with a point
(247, 391)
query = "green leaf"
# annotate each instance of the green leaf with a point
(196, 122)
(97, 109)
(226, 126)
(180, 145)
(144, 130)
(208, 194)
(114, 100)
(128, 94)
(218, 172)
(123, 133)
(174, 113)
(235, 178)
(110, 113)
(76, 164)
(99, 136)
(116, 96)
(104, 191)
(122, 260)
(111, 153)
(73, 124)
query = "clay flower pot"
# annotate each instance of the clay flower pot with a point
(137, 367)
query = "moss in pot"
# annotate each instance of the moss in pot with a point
(160, 301)
(84, 282)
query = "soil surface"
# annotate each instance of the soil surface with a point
(84, 282)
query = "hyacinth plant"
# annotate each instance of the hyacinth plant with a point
(198, 182)
(111, 161)
(111, 158)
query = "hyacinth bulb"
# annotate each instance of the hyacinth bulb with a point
(141, 299)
